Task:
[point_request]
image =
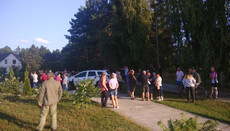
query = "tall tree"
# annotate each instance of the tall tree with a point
(5, 49)
(128, 41)
(83, 49)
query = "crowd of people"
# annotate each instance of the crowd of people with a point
(192, 80)
(37, 78)
(151, 84)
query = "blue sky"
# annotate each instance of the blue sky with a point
(39, 22)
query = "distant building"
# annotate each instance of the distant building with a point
(8, 60)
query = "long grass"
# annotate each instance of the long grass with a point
(22, 113)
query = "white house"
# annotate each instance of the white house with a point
(7, 60)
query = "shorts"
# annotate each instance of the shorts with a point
(179, 83)
(113, 92)
(145, 88)
(151, 88)
(214, 84)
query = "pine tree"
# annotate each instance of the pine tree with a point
(11, 73)
(27, 87)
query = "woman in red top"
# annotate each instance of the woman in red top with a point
(104, 93)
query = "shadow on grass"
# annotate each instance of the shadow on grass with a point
(19, 99)
(18, 122)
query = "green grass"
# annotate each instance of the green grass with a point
(214, 109)
(22, 113)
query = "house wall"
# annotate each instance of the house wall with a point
(9, 64)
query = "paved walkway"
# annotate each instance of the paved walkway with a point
(148, 114)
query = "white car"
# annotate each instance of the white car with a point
(88, 74)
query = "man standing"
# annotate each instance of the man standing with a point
(145, 85)
(50, 94)
(179, 77)
(35, 79)
(44, 76)
(65, 82)
(196, 76)
(126, 69)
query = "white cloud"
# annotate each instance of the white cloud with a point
(42, 41)
(24, 41)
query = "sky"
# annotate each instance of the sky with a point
(38, 22)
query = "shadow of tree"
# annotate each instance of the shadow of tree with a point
(18, 122)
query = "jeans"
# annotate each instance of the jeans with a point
(35, 84)
(162, 91)
(104, 98)
(43, 115)
(190, 92)
(113, 92)
(64, 87)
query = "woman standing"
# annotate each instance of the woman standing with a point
(58, 78)
(104, 93)
(132, 82)
(190, 83)
(214, 81)
(113, 85)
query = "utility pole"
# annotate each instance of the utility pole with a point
(158, 61)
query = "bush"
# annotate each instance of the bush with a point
(12, 85)
(27, 88)
(188, 124)
(2, 74)
(84, 92)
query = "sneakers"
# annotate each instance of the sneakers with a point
(162, 98)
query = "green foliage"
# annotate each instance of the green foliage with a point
(11, 73)
(13, 86)
(66, 95)
(5, 49)
(84, 92)
(188, 124)
(27, 88)
(2, 74)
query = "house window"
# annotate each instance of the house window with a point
(14, 61)
(5, 61)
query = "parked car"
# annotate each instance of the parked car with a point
(88, 74)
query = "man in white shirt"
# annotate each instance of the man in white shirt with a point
(65, 82)
(179, 78)
(158, 84)
(35, 79)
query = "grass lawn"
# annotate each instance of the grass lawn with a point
(22, 113)
(214, 109)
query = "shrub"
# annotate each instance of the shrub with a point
(2, 74)
(12, 85)
(11, 73)
(84, 92)
(189, 124)
(27, 88)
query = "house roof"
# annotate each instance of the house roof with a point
(3, 56)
